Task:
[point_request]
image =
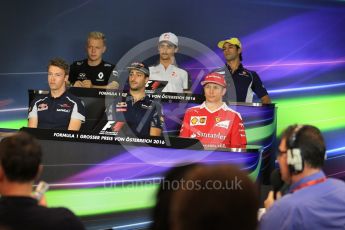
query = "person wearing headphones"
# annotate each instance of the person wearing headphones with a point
(242, 83)
(313, 201)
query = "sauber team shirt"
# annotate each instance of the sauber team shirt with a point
(56, 113)
(220, 128)
(242, 84)
(177, 78)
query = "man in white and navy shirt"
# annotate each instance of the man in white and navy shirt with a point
(242, 83)
(167, 70)
(59, 109)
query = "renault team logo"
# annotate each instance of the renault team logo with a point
(100, 75)
(198, 120)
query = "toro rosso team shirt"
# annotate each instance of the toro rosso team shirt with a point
(220, 128)
(56, 113)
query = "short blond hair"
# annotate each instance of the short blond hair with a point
(96, 35)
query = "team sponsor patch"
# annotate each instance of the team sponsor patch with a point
(100, 76)
(218, 119)
(121, 106)
(223, 124)
(244, 73)
(63, 110)
(146, 106)
(198, 120)
(65, 106)
(173, 74)
(115, 73)
(218, 135)
(202, 120)
(82, 76)
(42, 107)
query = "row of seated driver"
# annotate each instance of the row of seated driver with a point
(212, 122)
(221, 128)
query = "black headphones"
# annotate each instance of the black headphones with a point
(295, 159)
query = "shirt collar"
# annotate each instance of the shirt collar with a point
(306, 179)
(130, 98)
(223, 106)
(172, 65)
(55, 98)
(25, 200)
(240, 68)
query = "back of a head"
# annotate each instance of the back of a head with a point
(171, 182)
(309, 140)
(20, 156)
(215, 197)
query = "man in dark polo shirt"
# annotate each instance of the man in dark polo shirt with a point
(94, 72)
(59, 109)
(20, 165)
(242, 83)
(136, 114)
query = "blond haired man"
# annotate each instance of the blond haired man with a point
(94, 72)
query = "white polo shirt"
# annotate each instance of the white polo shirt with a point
(177, 78)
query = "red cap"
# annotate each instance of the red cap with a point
(214, 78)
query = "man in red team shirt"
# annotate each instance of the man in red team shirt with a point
(213, 122)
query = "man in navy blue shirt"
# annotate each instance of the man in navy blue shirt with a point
(59, 109)
(242, 83)
(313, 201)
(136, 114)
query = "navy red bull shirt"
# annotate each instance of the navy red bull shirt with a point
(242, 84)
(138, 117)
(56, 113)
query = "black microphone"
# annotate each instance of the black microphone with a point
(276, 181)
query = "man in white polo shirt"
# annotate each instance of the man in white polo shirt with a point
(167, 70)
